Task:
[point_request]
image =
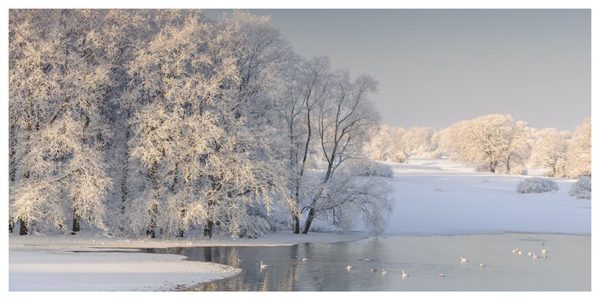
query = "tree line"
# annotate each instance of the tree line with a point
(494, 143)
(161, 122)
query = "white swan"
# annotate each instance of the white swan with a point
(404, 275)
(262, 265)
(348, 268)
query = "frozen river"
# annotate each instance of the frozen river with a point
(424, 258)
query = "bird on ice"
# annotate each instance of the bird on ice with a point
(514, 251)
(404, 275)
(348, 268)
(481, 265)
(262, 265)
(383, 272)
(304, 259)
(544, 252)
(463, 260)
(529, 253)
(519, 253)
(442, 275)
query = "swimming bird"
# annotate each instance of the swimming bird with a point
(262, 266)
(348, 268)
(404, 275)
(383, 272)
(463, 260)
(367, 259)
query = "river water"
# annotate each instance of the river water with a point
(323, 266)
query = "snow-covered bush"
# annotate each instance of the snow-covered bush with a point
(369, 168)
(582, 189)
(536, 185)
(254, 227)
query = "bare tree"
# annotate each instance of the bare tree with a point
(343, 124)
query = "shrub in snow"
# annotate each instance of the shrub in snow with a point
(254, 227)
(582, 189)
(536, 185)
(369, 168)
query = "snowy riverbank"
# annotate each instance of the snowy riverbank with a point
(98, 263)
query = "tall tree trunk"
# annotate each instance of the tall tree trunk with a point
(76, 223)
(208, 229)
(151, 231)
(125, 170)
(295, 215)
(508, 164)
(296, 224)
(23, 227)
(11, 225)
(180, 231)
(493, 166)
(312, 212)
(309, 220)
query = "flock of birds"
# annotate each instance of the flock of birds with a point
(462, 259)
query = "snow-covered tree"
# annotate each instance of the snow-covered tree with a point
(549, 149)
(159, 121)
(64, 53)
(308, 84)
(202, 126)
(343, 124)
(386, 145)
(352, 195)
(417, 140)
(579, 153)
(491, 140)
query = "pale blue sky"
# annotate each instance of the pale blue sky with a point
(435, 67)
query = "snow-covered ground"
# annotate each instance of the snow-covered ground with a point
(441, 197)
(35, 270)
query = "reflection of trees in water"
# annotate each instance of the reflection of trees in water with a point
(324, 269)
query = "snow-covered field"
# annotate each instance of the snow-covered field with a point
(441, 197)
